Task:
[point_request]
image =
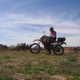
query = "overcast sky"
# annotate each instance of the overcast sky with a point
(25, 20)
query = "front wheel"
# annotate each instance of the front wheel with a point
(59, 50)
(35, 48)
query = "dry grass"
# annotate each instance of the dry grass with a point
(22, 65)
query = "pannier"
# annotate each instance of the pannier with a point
(61, 39)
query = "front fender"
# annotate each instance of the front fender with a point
(36, 40)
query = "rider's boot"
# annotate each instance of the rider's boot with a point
(49, 52)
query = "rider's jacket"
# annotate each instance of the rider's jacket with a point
(53, 34)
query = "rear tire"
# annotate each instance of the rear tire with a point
(59, 50)
(35, 48)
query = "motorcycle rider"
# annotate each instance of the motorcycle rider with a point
(51, 39)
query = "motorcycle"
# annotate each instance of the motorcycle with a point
(55, 46)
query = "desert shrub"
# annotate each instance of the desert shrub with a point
(22, 46)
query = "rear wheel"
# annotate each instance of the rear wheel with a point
(59, 50)
(35, 48)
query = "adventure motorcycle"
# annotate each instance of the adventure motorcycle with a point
(56, 46)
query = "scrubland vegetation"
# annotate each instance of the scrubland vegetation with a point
(23, 65)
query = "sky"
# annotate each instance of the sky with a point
(22, 21)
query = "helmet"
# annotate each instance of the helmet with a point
(51, 29)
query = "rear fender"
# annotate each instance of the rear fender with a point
(61, 43)
(64, 43)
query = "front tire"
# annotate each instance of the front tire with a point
(35, 48)
(59, 50)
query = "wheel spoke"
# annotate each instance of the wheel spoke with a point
(35, 48)
(59, 50)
